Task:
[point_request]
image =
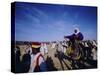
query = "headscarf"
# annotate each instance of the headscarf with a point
(77, 31)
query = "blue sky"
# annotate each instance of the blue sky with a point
(46, 22)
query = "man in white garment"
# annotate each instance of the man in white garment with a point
(94, 54)
(45, 48)
(42, 49)
(64, 46)
(53, 45)
(37, 60)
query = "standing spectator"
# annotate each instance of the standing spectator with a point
(64, 46)
(26, 60)
(94, 53)
(53, 45)
(17, 59)
(38, 63)
(42, 49)
(45, 48)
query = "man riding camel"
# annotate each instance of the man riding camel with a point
(75, 39)
(77, 35)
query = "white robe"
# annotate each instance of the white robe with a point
(64, 48)
(42, 49)
(94, 52)
(53, 45)
(33, 63)
(45, 48)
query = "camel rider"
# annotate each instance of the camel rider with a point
(77, 35)
(75, 39)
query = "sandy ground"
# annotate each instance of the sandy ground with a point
(58, 63)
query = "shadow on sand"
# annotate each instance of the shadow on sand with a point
(50, 64)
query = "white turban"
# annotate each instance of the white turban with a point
(77, 30)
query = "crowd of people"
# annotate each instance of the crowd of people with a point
(33, 58)
(76, 50)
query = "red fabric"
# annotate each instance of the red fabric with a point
(37, 67)
(36, 43)
(37, 61)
